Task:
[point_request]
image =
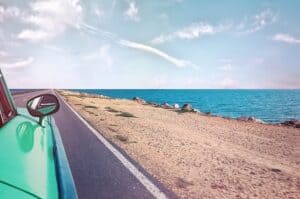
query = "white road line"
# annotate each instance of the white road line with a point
(153, 189)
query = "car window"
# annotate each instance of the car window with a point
(7, 112)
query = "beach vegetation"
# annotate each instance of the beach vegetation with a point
(122, 138)
(109, 109)
(126, 114)
(90, 106)
(182, 183)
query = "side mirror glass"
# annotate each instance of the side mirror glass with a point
(43, 105)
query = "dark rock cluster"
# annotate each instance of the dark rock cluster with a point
(139, 100)
(292, 123)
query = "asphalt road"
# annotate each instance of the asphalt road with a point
(96, 171)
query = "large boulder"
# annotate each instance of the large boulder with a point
(207, 113)
(166, 106)
(139, 100)
(176, 106)
(187, 107)
(153, 104)
(259, 121)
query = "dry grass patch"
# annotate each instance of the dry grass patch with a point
(182, 183)
(109, 109)
(113, 130)
(122, 138)
(90, 106)
(126, 114)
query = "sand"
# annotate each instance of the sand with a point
(198, 156)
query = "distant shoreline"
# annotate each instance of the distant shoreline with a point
(249, 117)
(22, 91)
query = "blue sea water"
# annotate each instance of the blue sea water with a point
(13, 91)
(271, 106)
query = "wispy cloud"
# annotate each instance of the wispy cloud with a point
(177, 62)
(130, 44)
(9, 12)
(17, 64)
(257, 22)
(286, 38)
(97, 31)
(196, 30)
(34, 35)
(193, 31)
(50, 18)
(132, 12)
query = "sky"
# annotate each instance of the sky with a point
(150, 44)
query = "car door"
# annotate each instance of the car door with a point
(7, 107)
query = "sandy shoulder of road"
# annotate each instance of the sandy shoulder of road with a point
(199, 156)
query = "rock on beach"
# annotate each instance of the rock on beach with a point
(139, 100)
(187, 107)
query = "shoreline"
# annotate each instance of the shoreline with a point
(196, 155)
(244, 118)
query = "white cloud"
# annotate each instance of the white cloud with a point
(257, 22)
(177, 62)
(35, 35)
(9, 12)
(286, 38)
(193, 31)
(132, 12)
(162, 39)
(95, 30)
(18, 64)
(51, 18)
(102, 56)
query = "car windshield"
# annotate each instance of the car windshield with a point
(7, 110)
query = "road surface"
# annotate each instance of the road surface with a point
(96, 170)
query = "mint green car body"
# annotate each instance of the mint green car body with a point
(33, 163)
(27, 167)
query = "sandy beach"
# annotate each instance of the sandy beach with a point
(199, 156)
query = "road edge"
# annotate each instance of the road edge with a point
(151, 187)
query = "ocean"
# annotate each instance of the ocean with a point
(271, 106)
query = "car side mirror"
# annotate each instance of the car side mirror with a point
(43, 105)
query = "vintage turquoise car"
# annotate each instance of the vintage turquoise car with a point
(33, 162)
